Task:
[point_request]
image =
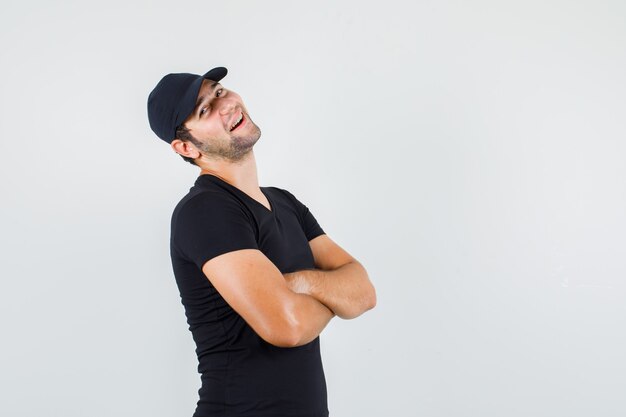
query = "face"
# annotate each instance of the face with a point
(220, 122)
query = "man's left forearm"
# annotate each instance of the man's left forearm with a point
(346, 290)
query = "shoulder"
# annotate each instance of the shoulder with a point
(210, 223)
(207, 203)
(281, 193)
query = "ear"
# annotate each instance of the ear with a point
(185, 148)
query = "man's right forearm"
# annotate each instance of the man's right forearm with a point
(310, 316)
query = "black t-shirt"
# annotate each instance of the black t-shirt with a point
(242, 374)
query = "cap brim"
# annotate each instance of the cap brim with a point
(216, 74)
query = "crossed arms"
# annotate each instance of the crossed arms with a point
(292, 309)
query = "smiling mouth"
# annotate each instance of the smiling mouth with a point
(238, 123)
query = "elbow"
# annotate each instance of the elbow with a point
(295, 331)
(368, 302)
(371, 300)
(368, 296)
(283, 341)
(283, 330)
(284, 337)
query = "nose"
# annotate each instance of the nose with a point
(226, 106)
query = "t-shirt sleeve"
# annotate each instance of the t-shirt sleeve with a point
(211, 224)
(310, 226)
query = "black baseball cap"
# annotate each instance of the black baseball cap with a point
(174, 98)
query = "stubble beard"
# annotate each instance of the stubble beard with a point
(235, 150)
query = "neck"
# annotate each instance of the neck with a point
(241, 174)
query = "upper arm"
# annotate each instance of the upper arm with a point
(214, 232)
(254, 287)
(328, 254)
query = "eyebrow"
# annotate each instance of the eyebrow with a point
(201, 99)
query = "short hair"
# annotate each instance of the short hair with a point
(184, 134)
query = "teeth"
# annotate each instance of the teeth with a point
(238, 120)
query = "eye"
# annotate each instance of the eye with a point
(218, 93)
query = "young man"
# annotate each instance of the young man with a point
(258, 277)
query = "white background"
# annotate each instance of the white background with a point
(470, 154)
